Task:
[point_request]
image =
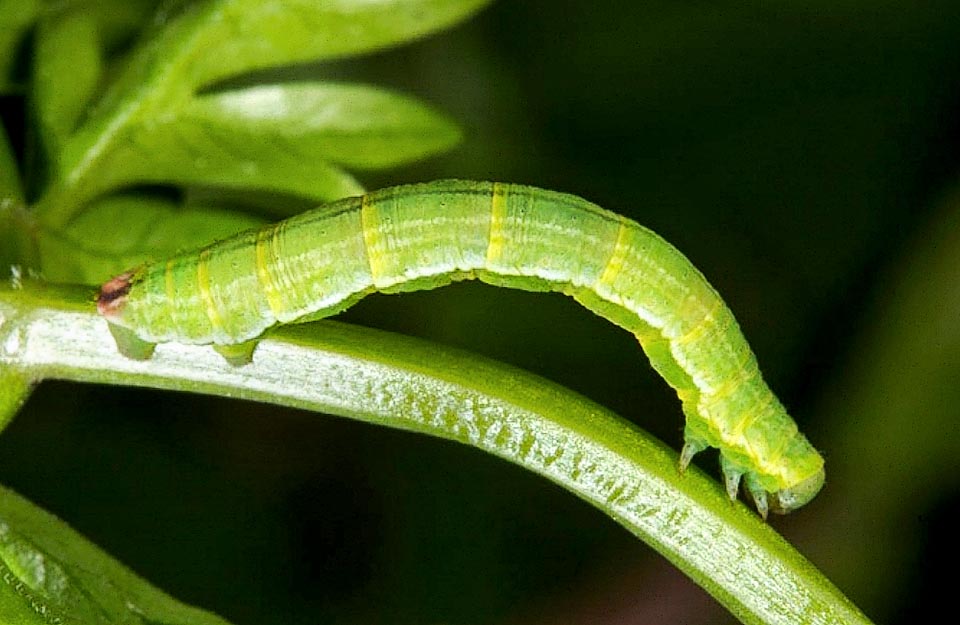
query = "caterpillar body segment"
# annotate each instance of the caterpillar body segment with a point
(424, 236)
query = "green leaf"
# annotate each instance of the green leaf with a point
(283, 138)
(352, 125)
(409, 384)
(196, 155)
(236, 36)
(16, 16)
(123, 231)
(51, 574)
(66, 72)
(212, 40)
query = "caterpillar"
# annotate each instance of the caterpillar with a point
(424, 236)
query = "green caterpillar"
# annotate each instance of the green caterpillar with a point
(424, 236)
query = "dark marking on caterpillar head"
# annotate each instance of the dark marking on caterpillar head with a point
(113, 295)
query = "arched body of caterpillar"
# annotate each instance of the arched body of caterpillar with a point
(424, 236)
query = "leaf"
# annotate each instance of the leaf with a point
(352, 125)
(67, 68)
(123, 231)
(195, 155)
(211, 40)
(286, 138)
(16, 16)
(51, 574)
(236, 36)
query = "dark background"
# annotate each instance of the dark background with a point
(804, 155)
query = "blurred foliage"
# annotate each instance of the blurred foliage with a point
(802, 154)
(61, 578)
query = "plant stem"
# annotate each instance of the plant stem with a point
(409, 384)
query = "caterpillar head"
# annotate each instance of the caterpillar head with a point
(788, 499)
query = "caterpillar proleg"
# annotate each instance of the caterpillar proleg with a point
(424, 236)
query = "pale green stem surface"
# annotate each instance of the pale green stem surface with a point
(413, 385)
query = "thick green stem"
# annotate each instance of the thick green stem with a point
(405, 383)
